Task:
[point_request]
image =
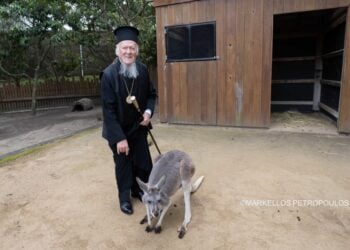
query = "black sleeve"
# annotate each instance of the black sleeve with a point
(112, 129)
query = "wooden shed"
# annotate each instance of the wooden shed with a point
(230, 62)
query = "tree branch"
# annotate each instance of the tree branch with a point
(139, 12)
(12, 75)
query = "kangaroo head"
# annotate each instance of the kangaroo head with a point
(153, 198)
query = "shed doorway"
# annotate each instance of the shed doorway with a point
(307, 68)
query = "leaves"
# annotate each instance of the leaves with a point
(28, 28)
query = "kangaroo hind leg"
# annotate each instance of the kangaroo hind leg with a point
(186, 187)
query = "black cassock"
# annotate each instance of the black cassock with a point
(121, 121)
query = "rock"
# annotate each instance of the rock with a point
(83, 104)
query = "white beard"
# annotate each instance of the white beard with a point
(129, 71)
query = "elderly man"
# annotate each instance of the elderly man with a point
(123, 126)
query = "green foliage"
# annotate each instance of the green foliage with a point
(146, 23)
(100, 18)
(32, 30)
(13, 51)
(67, 62)
(29, 29)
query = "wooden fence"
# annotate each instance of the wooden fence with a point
(49, 94)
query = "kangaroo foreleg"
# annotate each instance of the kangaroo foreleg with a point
(149, 227)
(158, 227)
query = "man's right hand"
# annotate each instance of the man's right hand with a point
(123, 147)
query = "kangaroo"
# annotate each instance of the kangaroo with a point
(171, 171)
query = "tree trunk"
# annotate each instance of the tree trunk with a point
(35, 83)
(40, 59)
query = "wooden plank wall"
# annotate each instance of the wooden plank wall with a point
(243, 51)
(288, 6)
(187, 90)
(235, 89)
(162, 86)
(219, 92)
(344, 112)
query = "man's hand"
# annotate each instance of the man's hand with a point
(146, 119)
(123, 147)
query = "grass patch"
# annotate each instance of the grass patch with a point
(14, 157)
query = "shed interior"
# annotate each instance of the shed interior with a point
(307, 61)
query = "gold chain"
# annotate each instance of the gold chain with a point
(129, 98)
(132, 86)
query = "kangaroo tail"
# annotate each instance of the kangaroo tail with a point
(197, 184)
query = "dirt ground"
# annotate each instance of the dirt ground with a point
(63, 196)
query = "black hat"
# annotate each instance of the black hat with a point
(126, 33)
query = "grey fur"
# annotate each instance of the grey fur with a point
(171, 171)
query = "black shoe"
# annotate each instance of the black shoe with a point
(137, 195)
(126, 207)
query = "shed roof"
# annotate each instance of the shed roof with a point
(158, 3)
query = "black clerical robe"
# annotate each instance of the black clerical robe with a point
(120, 118)
(121, 121)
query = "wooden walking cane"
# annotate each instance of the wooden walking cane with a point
(136, 105)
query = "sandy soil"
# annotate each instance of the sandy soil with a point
(64, 197)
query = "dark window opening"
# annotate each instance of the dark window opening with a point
(191, 42)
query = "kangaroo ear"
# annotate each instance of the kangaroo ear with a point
(142, 185)
(161, 182)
